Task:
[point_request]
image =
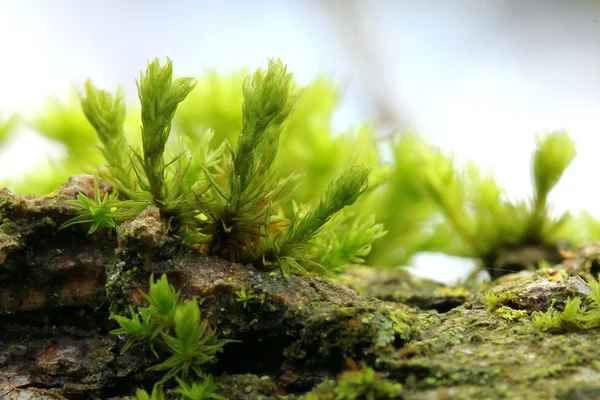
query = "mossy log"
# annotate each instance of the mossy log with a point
(59, 286)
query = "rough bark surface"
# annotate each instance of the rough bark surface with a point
(58, 287)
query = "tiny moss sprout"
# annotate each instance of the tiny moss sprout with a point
(591, 319)
(574, 316)
(366, 383)
(203, 391)
(174, 327)
(244, 296)
(492, 300)
(207, 390)
(99, 212)
(560, 321)
(156, 394)
(193, 345)
(495, 300)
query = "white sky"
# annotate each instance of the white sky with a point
(480, 79)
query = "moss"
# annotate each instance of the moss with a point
(139, 241)
(493, 300)
(481, 354)
(250, 387)
(245, 296)
(363, 383)
(121, 280)
(8, 226)
(359, 333)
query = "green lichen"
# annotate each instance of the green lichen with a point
(510, 314)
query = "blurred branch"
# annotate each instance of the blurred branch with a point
(362, 42)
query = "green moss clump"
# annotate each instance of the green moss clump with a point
(496, 300)
(364, 383)
(225, 203)
(477, 210)
(174, 328)
(574, 316)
